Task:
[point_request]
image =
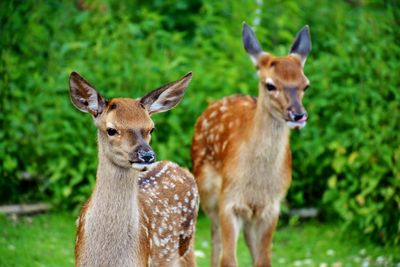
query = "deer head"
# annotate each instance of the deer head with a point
(124, 124)
(282, 81)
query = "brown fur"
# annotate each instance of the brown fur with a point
(161, 193)
(80, 231)
(135, 216)
(242, 160)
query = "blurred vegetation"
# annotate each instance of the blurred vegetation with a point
(346, 161)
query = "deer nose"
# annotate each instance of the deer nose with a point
(294, 116)
(146, 156)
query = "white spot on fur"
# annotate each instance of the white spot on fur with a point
(156, 241)
(224, 145)
(213, 114)
(204, 124)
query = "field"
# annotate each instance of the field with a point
(48, 240)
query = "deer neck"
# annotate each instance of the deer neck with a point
(112, 219)
(115, 186)
(269, 137)
(263, 157)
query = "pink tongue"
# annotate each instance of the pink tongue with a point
(303, 119)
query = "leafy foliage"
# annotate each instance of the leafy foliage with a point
(346, 161)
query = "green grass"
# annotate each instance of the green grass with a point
(44, 240)
(48, 240)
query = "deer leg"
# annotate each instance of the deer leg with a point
(264, 230)
(189, 259)
(251, 239)
(229, 235)
(216, 244)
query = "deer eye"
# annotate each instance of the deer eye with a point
(111, 131)
(270, 87)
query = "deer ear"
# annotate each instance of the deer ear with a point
(167, 96)
(302, 44)
(250, 43)
(84, 96)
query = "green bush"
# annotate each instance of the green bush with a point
(351, 149)
(346, 161)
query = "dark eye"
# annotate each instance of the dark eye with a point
(152, 130)
(111, 131)
(305, 88)
(270, 87)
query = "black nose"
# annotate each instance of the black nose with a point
(298, 116)
(146, 156)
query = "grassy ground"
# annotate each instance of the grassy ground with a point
(48, 240)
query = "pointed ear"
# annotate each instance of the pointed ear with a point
(302, 44)
(250, 43)
(167, 96)
(84, 96)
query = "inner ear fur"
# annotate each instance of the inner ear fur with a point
(167, 96)
(84, 96)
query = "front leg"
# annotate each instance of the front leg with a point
(229, 234)
(189, 259)
(264, 230)
(216, 243)
(251, 239)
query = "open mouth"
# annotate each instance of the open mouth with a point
(296, 120)
(297, 124)
(140, 166)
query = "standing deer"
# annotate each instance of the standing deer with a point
(241, 152)
(141, 212)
